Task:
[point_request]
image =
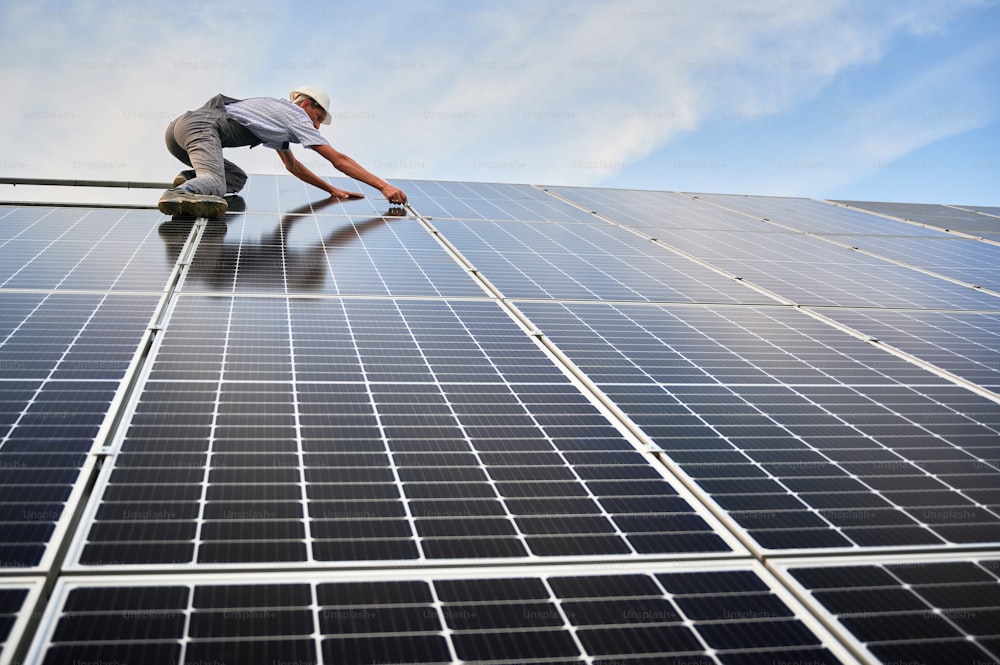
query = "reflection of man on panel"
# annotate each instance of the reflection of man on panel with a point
(270, 264)
(198, 137)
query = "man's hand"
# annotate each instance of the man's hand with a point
(394, 194)
(342, 194)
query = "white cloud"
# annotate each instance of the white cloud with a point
(513, 91)
(858, 138)
(573, 97)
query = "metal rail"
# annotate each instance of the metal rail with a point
(83, 183)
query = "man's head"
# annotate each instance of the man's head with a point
(314, 101)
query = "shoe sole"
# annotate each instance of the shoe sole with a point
(208, 209)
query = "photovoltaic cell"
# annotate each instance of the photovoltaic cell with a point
(810, 216)
(810, 271)
(270, 194)
(586, 262)
(933, 612)
(642, 209)
(971, 261)
(492, 376)
(81, 249)
(310, 253)
(966, 344)
(986, 210)
(63, 356)
(806, 436)
(274, 430)
(15, 600)
(939, 216)
(490, 201)
(713, 617)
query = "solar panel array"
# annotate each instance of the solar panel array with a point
(505, 424)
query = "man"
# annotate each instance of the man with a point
(198, 137)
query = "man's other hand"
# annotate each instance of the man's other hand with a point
(343, 194)
(394, 195)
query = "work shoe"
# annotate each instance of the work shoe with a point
(178, 201)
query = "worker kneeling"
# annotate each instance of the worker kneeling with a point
(197, 138)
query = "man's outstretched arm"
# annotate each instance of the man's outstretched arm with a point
(302, 172)
(352, 169)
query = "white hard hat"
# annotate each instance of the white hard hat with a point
(316, 94)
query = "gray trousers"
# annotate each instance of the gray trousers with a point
(197, 139)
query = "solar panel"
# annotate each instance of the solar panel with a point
(81, 249)
(504, 424)
(648, 210)
(492, 201)
(313, 253)
(809, 271)
(17, 601)
(791, 264)
(810, 216)
(272, 194)
(970, 261)
(659, 614)
(789, 424)
(63, 356)
(986, 210)
(343, 430)
(967, 344)
(948, 218)
(586, 262)
(926, 611)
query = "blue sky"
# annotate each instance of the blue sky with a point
(896, 100)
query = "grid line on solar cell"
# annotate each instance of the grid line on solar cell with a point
(652, 209)
(457, 439)
(806, 436)
(84, 249)
(937, 253)
(398, 430)
(285, 195)
(966, 344)
(585, 262)
(557, 618)
(937, 612)
(813, 216)
(810, 271)
(483, 201)
(816, 216)
(17, 599)
(396, 489)
(991, 211)
(969, 261)
(63, 356)
(311, 253)
(939, 216)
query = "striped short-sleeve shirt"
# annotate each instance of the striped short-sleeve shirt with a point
(276, 122)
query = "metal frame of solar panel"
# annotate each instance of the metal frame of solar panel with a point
(508, 423)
